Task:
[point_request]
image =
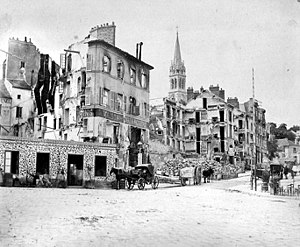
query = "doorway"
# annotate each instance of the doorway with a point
(42, 163)
(75, 170)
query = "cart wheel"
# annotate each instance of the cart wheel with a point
(155, 182)
(183, 182)
(130, 184)
(141, 183)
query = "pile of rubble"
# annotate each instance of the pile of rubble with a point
(172, 167)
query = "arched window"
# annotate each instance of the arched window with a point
(106, 64)
(175, 84)
(120, 69)
(144, 79)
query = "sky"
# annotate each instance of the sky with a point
(220, 40)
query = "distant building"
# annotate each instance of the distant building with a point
(202, 123)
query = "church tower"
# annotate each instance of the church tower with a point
(177, 76)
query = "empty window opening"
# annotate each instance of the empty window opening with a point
(42, 163)
(100, 166)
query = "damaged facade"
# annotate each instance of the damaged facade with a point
(106, 95)
(96, 102)
(204, 124)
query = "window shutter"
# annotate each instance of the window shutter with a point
(125, 104)
(100, 96)
(112, 96)
(88, 96)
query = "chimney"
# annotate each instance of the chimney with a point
(140, 54)
(25, 39)
(190, 93)
(106, 32)
(234, 101)
(137, 51)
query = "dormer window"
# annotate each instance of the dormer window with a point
(106, 64)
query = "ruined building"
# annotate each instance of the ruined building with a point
(105, 95)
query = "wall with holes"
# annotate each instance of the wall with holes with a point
(58, 152)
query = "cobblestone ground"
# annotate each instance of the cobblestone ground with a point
(204, 215)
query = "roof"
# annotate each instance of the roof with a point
(177, 54)
(3, 91)
(116, 49)
(285, 142)
(19, 84)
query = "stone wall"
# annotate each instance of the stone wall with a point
(58, 150)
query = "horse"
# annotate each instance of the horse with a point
(207, 173)
(122, 174)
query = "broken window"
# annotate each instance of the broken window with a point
(106, 64)
(132, 76)
(120, 69)
(105, 97)
(205, 103)
(144, 79)
(19, 112)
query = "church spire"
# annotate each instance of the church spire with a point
(177, 54)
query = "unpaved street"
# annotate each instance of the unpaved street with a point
(169, 216)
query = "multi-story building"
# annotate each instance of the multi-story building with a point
(201, 122)
(20, 70)
(210, 124)
(106, 95)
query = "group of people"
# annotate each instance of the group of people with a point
(43, 180)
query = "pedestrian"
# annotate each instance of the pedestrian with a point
(1, 177)
(286, 171)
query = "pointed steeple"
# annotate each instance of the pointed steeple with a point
(177, 54)
(177, 75)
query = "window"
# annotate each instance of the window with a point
(175, 83)
(229, 116)
(205, 103)
(19, 96)
(67, 112)
(22, 64)
(120, 70)
(89, 61)
(119, 102)
(11, 162)
(69, 63)
(100, 166)
(105, 97)
(0, 109)
(204, 115)
(132, 76)
(144, 79)
(54, 123)
(45, 123)
(294, 150)
(197, 117)
(106, 64)
(19, 112)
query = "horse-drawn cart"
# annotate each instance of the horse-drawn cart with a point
(140, 175)
(182, 176)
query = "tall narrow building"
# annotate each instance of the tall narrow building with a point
(177, 76)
